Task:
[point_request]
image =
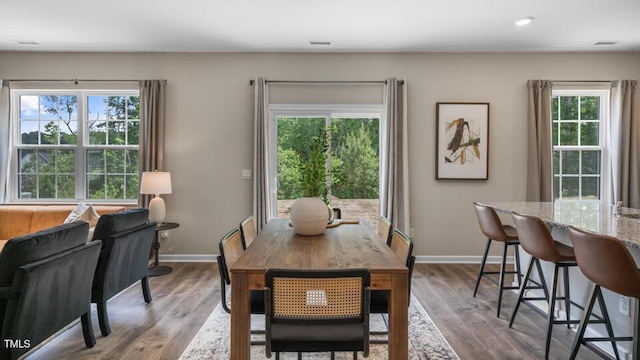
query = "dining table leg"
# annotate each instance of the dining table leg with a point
(399, 317)
(240, 317)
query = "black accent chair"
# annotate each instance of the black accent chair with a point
(307, 311)
(126, 242)
(45, 284)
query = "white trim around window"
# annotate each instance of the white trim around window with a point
(80, 148)
(327, 111)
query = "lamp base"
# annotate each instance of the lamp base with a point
(157, 210)
(159, 270)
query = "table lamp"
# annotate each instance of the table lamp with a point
(156, 183)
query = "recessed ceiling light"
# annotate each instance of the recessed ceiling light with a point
(525, 21)
(325, 43)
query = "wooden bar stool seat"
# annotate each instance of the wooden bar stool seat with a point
(606, 262)
(536, 240)
(494, 230)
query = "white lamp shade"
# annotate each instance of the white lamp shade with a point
(155, 182)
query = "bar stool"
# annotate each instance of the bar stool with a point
(605, 261)
(536, 240)
(492, 228)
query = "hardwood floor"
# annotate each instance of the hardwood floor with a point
(183, 299)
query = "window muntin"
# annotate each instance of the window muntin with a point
(579, 117)
(75, 145)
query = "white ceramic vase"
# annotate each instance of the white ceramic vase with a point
(309, 216)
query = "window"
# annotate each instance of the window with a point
(580, 118)
(75, 145)
(353, 164)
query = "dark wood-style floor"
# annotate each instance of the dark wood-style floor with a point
(183, 300)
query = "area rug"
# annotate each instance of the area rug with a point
(425, 340)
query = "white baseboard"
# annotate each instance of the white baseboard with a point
(187, 258)
(460, 259)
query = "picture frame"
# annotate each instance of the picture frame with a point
(462, 140)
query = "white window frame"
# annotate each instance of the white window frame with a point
(603, 137)
(327, 111)
(80, 148)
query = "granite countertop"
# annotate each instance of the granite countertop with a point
(592, 216)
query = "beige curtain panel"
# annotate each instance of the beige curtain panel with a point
(152, 120)
(5, 126)
(625, 142)
(261, 189)
(394, 197)
(539, 158)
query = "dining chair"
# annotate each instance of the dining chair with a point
(231, 246)
(536, 240)
(384, 229)
(337, 213)
(402, 246)
(248, 230)
(317, 311)
(595, 254)
(494, 230)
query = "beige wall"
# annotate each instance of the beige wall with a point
(210, 110)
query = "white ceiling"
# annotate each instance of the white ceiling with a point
(290, 25)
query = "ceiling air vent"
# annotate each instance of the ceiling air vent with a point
(28, 42)
(606, 43)
(322, 43)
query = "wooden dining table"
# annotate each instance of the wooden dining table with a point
(349, 245)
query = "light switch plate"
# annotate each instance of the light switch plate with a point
(246, 174)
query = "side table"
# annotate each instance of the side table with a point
(156, 269)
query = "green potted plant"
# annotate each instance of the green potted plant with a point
(310, 213)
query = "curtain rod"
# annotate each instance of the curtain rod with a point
(584, 81)
(251, 82)
(73, 80)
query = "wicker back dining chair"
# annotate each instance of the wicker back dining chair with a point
(248, 230)
(317, 311)
(385, 229)
(231, 247)
(402, 246)
(337, 213)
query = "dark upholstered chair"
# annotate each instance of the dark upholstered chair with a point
(231, 246)
(494, 230)
(45, 284)
(317, 311)
(248, 230)
(402, 245)
(606, 261)
(126, 242)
